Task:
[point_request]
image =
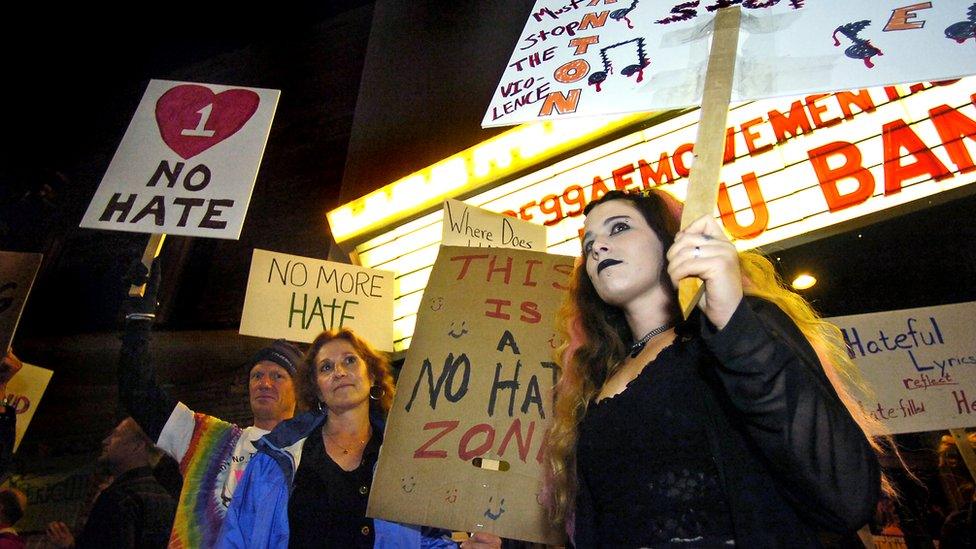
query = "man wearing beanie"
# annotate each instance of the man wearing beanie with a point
(212, 453)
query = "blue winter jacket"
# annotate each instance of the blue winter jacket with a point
(258, 513)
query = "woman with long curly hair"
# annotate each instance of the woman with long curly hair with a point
(729, 428)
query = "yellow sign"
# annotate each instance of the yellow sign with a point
(298, 297)
(24, 392)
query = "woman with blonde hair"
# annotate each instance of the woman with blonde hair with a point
(721, 430)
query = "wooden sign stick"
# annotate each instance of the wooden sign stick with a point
(710, 142)
(965, 449)
(153, 247)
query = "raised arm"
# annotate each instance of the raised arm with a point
(776, 386)
(139, 392)
(773, 379)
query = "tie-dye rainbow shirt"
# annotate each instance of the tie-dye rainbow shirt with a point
(212, 455)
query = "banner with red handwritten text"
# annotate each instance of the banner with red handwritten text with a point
(920, 365)
(591, 57)
(463, 446)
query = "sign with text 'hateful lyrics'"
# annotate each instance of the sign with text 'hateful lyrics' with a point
(187, 163)
(919, 363)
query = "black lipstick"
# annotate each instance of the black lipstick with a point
(606, 263)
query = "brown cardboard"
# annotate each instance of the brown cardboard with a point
(486, 312)
(17, 272)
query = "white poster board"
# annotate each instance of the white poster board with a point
(919, 363)
(297, 297)
(17, 272)
(187, 163)
(25, 390)
(578, 58)
(466, 225)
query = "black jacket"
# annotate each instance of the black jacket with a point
(134, 511)
(792, 460)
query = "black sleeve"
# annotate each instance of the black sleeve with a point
(111, 522)
(825, 466)
(584, 528)
(139, 393)
(8, 434)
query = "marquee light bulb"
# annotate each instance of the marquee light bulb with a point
(804, 281)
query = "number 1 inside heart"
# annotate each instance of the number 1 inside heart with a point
(200, 130)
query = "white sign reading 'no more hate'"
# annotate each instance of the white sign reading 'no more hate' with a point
(298, 297)
(919, 363)
(583, 58)
(187, 163)
(466, 225)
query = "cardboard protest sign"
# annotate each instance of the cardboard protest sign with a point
(297, 297)
(17, 272)
(466, 225)
(25, 391)
(463, 444)
(579, 58)
(187, 163)
(919, 363)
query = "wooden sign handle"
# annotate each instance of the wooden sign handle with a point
(153, 247)
(710, 143)
(965, 449)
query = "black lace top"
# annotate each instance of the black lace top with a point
(644, 458)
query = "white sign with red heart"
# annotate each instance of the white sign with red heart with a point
(187, 163)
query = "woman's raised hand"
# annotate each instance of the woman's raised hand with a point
(702, 250)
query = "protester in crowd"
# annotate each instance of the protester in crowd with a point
(134, 511)
(13, 504)
(721, 429)
(953, 473)
(212, 453)
(959, 529)
(310, 481)
(8, 414)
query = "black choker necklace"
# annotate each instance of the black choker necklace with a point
(638, 345)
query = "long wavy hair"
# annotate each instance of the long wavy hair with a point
(596, 336)
(377, 364)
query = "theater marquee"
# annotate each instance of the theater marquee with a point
(795, 169)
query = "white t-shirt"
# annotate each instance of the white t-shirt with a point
(212, 454)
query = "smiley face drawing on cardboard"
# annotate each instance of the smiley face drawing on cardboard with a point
(408, 484)
(495, 515)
